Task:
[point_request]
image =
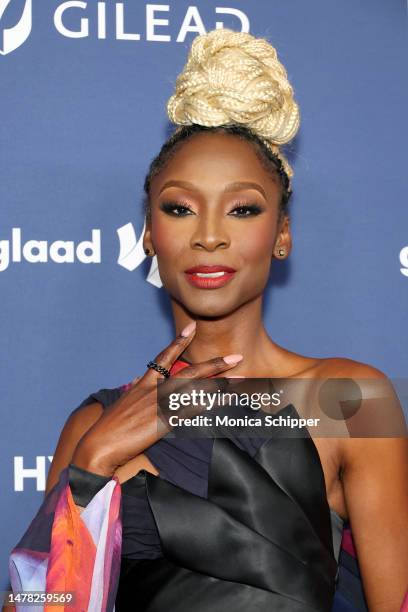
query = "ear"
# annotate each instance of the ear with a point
(147, 238)
(283, 239)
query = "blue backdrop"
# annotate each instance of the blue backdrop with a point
(83, 93)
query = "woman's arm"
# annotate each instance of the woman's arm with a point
(375, 481)
(77, 424)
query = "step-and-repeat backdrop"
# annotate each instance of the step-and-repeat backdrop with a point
(83, 87)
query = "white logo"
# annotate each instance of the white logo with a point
(76, 19)
(403, 257)
(154, 24)
(131, 253)
(39, 472)
(39, 251)
(15, 36)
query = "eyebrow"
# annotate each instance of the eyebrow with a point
(238, 185)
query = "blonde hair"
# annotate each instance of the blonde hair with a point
(233, 78)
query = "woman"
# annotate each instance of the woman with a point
(228, 523)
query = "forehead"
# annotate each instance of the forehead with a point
(215, 159)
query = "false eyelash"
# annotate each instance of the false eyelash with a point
(254, 208)
(169, 207)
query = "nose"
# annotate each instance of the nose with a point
(210, 234)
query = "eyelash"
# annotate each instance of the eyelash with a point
(169, 207)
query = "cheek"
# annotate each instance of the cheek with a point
(256, 243)
(167, 242)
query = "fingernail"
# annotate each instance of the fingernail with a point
(189, 329)
(234, 358)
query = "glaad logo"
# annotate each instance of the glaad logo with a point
(131, 253)
(39, 251)
(13, 37)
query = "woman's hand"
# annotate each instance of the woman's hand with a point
(132, 424)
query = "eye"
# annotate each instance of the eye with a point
(176, 209)
(246, 210)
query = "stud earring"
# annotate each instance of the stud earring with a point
(147, 251)
(281, 252)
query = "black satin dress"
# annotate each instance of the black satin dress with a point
(230, 525)
(261, 538)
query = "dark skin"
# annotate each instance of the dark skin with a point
(213, 234)
(201, 175)
(366, 479)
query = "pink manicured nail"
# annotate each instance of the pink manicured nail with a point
(234, 358)
(189, 329)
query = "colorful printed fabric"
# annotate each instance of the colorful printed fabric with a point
(66, 551)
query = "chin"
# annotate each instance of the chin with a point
(211, 311)
(203, 304)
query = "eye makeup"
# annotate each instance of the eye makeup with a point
(183, 209)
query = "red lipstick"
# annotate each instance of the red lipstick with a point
(209, 277)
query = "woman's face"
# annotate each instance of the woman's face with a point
(215, 204)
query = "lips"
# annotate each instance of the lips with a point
(209, 277)
(209, 269)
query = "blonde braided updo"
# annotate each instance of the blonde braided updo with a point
(233, 78)
(233, 82)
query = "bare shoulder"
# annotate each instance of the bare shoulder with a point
(81, 419)
(304, 366)
(378, 398)
(76, 425)
(379, 426)
(338, 367)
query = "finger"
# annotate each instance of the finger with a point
(216, 396)
(211, 367)
(189, 397)
(196, 372)
(168, 356)
(178, 383)
(180, 386)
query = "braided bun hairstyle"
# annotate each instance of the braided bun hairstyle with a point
(234, 82)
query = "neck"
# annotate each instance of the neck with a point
(241, 331)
